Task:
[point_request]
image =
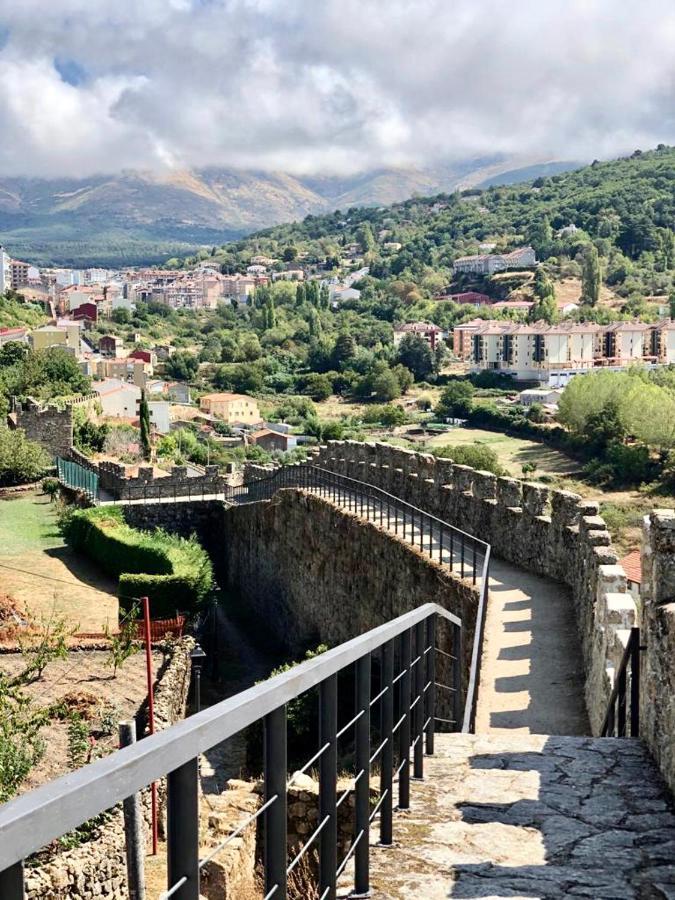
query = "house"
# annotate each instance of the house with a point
(545, 396)
(432, 334)
(272, 440)
(632, 566)
(120, 400)
(147, 356)
(515, 305)
(111, 346)
(488, 264)
(52, 336)
(341, 292)
(231, 408)
(290, 273)
(86, 312)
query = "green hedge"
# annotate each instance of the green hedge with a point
(173, 572)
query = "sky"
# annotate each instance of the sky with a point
(328, 87)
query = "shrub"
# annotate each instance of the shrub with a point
(174, 572)
(478, 456)
(21, 460)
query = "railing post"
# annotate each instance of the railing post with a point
(430, 704)
(418, 756)
(275, 815)
(404, 728)
(133, 826)
(635, 683)
(183, 829)
(328, 787)
(387, 737)
(473, 577)
(621, 703)
(457, 677)
(452, 550)
(362, 765)
(11, 883)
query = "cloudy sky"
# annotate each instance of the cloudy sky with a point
(328, 86)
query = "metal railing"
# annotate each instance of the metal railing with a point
(467, 556)
(441, 541)
(623, 709)
(77, 477)
(401, 711)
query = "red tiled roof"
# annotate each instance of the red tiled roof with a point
(632, 566)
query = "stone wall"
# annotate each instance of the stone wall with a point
(657, 700)
(49, 426)
(97, 868)
(178, 483)
(548, 532)
(315, 573)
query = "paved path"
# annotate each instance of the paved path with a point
(525, 816)
(531, 673)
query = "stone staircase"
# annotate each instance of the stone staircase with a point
(529, 816)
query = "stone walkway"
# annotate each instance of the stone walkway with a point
(525, 816)
(531, 672)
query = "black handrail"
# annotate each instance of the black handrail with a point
(625, 693)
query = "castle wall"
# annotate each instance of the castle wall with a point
(549, 532)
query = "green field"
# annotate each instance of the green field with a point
(512, 452)
(28, 523)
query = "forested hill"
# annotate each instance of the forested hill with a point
(626, 207)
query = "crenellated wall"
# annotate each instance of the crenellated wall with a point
(549, 532)
(657, 624)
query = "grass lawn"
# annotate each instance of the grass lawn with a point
(43, 575)
(512, 452)
(28, 522)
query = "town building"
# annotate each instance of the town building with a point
(237, 409)
(555, 353)
(429, 332)
(5, 270)
(273, 440)
(111, 346)
(489, 263)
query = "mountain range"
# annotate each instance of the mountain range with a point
(135, 217)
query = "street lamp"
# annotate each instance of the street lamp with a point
(197, 656)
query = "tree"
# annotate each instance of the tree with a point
(182, 365)
(319, 387)
(21, 460)
(144, 415)
(290, 253)
(385, 386)
(364, 237)
(477, 455)
(415, 354)
(456, 400)
(590, 276)
(344, 350)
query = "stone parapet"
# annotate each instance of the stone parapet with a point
(549, 532)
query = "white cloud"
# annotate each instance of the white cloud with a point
(330, 86)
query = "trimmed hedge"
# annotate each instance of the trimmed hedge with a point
(174, 572)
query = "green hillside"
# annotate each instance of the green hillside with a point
(626, 208)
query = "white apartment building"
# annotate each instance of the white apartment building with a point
(555, 353)
(488, 264)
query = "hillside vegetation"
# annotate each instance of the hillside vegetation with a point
(134, 217)
(625, 208)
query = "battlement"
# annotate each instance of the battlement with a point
(549, 532)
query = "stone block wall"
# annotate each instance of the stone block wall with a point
(178, 483)
(49, 426)
(97, 868)
(657, 634)
(315, 573)
(549, 532)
